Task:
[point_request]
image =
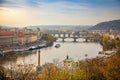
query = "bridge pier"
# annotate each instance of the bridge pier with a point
(75, 40)
(59, 35)
(86, 39)
(68, 35)
(63, 39)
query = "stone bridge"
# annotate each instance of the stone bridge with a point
(73, 35)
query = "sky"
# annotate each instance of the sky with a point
(21, 13)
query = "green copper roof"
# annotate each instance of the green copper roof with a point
(67, 59)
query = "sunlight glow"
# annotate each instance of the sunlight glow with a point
(12, 15)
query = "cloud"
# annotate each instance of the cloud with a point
(63, 7)
(69, 6)
(14, 4)
(58, 11)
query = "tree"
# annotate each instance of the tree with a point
(50, 37)
(107, 43)
(117, 42)
(111, 69)
(47, 37)
(2, 74)
(0, 27)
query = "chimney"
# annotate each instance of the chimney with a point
(38, 68)
(39, 58)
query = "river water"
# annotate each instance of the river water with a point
(76, 51)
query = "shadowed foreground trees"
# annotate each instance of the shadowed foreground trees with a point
(2, 75)
(90, 69)
(111, 68)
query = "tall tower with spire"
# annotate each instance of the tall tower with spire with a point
(68, 63)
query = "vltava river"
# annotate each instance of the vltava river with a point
(76, 51)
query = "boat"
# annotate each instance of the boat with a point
(42, 46)
(33, 48)
(57, 45)
(37, 47)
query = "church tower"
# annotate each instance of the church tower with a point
(68, 63)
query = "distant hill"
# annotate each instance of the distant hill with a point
(114, 25)
(60, 27)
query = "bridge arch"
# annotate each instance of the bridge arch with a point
(74, 36)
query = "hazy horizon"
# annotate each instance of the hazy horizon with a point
(23, 13)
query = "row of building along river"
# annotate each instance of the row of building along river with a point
(75, 50)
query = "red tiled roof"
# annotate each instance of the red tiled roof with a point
(19, 34)
(22, 34)
(6, 33)
(29, 33)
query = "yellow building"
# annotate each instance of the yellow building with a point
(25, 37)
(33, 37)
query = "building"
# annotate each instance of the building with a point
(8, 38)
(67, 63)
(26, 37)
(33, 37)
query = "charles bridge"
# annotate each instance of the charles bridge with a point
(71, 34)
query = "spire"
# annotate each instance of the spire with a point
(67, 57)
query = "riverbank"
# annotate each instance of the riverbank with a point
(10, 55)
(8, 49)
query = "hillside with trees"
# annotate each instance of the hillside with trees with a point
(114, 25)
